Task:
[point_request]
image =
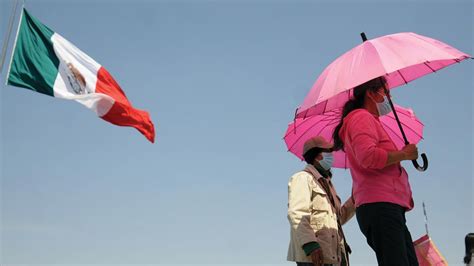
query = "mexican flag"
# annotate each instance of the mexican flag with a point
(45, 62)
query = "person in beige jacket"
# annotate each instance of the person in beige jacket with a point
(315, 212)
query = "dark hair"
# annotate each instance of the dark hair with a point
(311, 154)
(356, 102)
(469, 241)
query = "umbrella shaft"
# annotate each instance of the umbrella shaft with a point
(396, 118)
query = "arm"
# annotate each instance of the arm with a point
(310, 247)
(395, 157)
(347, 210)
(409, 152)
(363, 139)
(299, 213)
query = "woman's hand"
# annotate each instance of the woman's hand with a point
(410, 151)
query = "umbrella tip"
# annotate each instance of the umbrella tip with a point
(364, 38)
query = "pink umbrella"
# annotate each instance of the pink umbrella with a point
(400, 58)
(302, 129)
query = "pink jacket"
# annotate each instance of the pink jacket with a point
(367, 145)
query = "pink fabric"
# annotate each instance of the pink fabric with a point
(367, 145)
(400, 58)
(427, 253)
(299, 131)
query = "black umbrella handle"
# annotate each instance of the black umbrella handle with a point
(423, 156)
(425, 163)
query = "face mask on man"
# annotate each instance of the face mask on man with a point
(326, 162)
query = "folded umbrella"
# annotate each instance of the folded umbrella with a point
(426, 251)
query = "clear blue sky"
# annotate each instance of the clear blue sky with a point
(221, 81)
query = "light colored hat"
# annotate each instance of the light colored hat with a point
(316, 142)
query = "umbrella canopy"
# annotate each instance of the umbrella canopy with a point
(400, 58)
(301, 130)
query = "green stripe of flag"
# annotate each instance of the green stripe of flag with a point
(34, 64)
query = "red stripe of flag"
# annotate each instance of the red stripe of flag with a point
(122, 112)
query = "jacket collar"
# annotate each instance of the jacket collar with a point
(310, 168)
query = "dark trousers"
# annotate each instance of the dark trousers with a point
(384, 226)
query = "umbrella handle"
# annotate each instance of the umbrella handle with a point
(423, 156)
(425, 163)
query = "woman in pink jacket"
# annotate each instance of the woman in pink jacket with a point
(381, 189)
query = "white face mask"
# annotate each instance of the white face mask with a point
(326, 162)
(384, 107)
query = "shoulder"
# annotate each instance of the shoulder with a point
(360, 118)
(301, 176)
(359, 114)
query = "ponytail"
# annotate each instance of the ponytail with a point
(356, 102)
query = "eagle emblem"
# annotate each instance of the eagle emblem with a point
(76, 80)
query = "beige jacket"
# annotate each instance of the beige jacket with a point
(312, 217)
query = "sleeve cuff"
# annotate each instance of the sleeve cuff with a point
(310, 247)
(381, 157)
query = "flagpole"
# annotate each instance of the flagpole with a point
(14, 44)
(426, 219)
(6, 39)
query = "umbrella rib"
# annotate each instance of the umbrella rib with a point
(402, 76)
(294, 143)
(426, 64)
(295, 127)
(325, 105)
(393, 132)
(407, 126)
(332, 122)
(335, 120)
(305, 113)
(457, 60)
(403, 123)
(306, 120)
(309, 130)
(294, 121)
(323, 128)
